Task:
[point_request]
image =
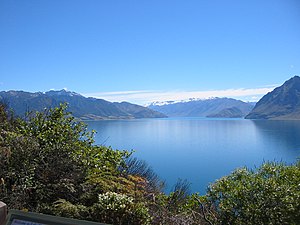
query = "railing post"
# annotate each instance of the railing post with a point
(3, 213)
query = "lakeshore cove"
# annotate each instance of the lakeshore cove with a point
(201, 150)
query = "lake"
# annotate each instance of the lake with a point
(201, 150)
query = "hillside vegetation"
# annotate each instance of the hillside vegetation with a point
(50, 164)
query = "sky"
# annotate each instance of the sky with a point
(156, 50)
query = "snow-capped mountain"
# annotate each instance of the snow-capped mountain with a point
(161, 103)
(61, 93)
(212, 107)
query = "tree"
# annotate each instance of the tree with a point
(49, 163)
(48, 156)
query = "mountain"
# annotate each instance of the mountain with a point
(214, 107)
(282, 103)
(232, 112)
(137, 110)
(81, 107)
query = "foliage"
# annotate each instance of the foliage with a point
(178, 207)
(50, 164)
(49, 156)
(64, 208)
(38, 148)
(270, 195)
(140, 168)
(120, 209)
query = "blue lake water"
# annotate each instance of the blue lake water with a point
(201, 150)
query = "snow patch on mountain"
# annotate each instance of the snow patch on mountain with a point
(162, 103)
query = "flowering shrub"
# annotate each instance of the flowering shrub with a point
(114, 201)
(118, 208)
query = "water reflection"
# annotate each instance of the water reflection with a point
(284, 134)
(201, 150)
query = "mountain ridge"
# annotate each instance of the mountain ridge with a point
(281, 103)
(80, 106)
(211, 107)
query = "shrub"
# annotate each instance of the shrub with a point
(49, 156)
(120, 209)
(269, 195)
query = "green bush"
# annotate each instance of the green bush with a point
(49, 164)
(67, 209)
(269, 195)
(49, 156)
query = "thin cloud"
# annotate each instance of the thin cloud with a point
(117, 93)
(270, 86)
(144, 97)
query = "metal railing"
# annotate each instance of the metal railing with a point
(17, 217)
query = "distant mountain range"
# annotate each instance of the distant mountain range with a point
(282, 103)
(81, 107)
(214, 107)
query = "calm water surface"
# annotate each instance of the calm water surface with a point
(201, 150)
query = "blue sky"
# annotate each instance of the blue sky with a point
(141, 51)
